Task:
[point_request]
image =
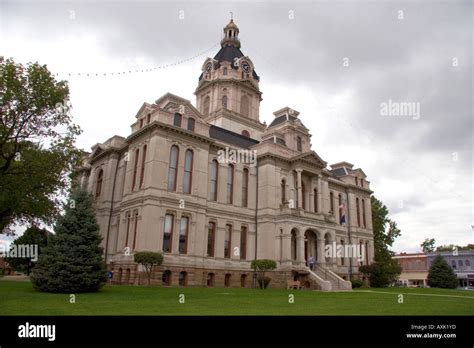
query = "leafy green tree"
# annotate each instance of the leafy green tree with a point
(72, 261)
(441, 275)
(452, 247)
(32, 236)
(148, 260)
(37, 136)
(428, 245)
(384, 270)
(261, 266)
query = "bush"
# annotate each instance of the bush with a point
(382, 274)
(441, 275)
(72, 261)
(356, 283)
(148, 259)
(266, 281)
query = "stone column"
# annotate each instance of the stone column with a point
(300, 193)
(311, 196)
(300, 248)
(320, 195)
(320, 258)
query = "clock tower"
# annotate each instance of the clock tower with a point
(228, 94)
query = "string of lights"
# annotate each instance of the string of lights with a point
(132, 71)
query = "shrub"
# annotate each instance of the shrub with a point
(356, 283)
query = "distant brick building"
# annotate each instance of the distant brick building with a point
(414, 269)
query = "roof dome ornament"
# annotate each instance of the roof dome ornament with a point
(231, 34)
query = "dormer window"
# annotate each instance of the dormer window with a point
(224, 71)
(141, 123)
(148, 118)
(177, 120)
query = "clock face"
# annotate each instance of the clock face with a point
(209, 67)
(246, 67)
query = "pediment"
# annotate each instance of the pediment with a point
(311, 158)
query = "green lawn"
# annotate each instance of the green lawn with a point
(19, 298)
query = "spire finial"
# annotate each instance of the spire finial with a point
(231, 16)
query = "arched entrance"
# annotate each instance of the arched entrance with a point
(310, 246)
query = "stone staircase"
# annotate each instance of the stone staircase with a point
(327, 280)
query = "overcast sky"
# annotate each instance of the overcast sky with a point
(334, 62)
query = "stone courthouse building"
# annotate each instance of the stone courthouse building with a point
(213, 188)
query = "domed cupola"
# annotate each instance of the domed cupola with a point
(231, 35)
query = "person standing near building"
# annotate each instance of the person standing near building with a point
(311, 262)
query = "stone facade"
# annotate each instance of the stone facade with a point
(174, 186)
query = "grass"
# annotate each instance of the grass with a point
(19, 298)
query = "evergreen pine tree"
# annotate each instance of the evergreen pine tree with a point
(72, 261)
(441, 275)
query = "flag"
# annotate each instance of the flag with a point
(342, 217)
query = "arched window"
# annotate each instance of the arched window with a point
(227, 280)
(100, 178)
(183, 278)
(303, 195)
(183, 235)
(177, 120)
(299, 145)
(191, 124)
(358, 212)
(243, 243)
(205, 106)
(245, 133)
(213, 180)
(363, 214)
(188, 171)
(245, 187)
(315, 200)
(135, 168)
(230, 184)
(283, 191)
(166, 278)
(173, 168)
(135, 228)
(141, 123)
(168, 233)
(467, 263)
(244, 105)
(356, 181)
(224, 71)
(331, 202)
(367, 252)
(453, 264)
(224, 102)
(142, 174)
(210, 279)
(227, 241)
(148, 118)
(211, 237)
(460, 264)
(361, 182)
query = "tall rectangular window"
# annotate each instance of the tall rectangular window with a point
(135, 168)
(177, 120)
(213, 181)
(188, 171)
(227, 241)
(127, 221)
(315, 199)
(358, 212)
(135, 228)
(211, 237)
(331, 202)
(363, 214)
(183, 235)
(243, 243)
(245, 185)
(173, 168)
(230, 184)
(168, 233)
(142, 174)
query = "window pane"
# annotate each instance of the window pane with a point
(188, 163)
(227, 239)
(243, 243)
(167, 233)
(177, 120)
(183, 235)
(213, 181)
(230, 184)
(210, 239)
(173, 168)
(191, 123)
